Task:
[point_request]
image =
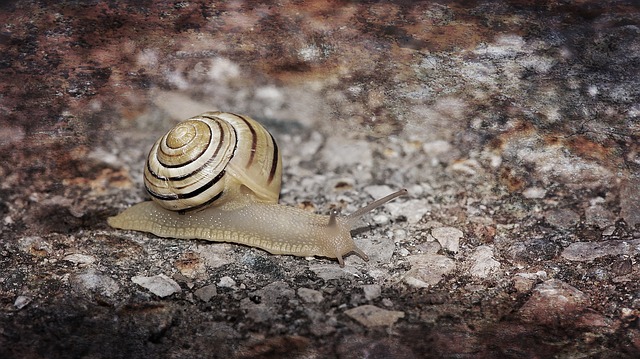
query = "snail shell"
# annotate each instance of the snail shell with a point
(208, 158)
(217, 177)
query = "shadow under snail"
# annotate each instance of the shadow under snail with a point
(217, 177)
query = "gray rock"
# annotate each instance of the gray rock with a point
(215, 255)
(94, 282)
(372, 291)
(310, 295)
(588, 251)
(333, 271)
(448, 237)
(428, 269)
(22, 301)
(599, 216)
(482, 262)
(160, 284)
(226, 282)
(79, 258)
(413, 210)
(562, 218)
(206, 293)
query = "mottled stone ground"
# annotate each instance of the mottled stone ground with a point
(515, 126)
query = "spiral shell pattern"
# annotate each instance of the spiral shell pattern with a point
(208, 158)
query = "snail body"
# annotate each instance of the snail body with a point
(239, 207)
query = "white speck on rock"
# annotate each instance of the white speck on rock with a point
(372, 316)
(160, 284)
(483, 263)
(448, 237)
(310, 295)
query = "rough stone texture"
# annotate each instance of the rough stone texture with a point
(554, 302)
(372, 316)
(515, 122)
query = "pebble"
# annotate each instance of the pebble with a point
(215, 255)
(333, 271)
(523, 282)
(553, 302)
(399, 235)
(448, 237)
(562, 218)
(79, 258)
(599, 216)
(93, 281)
(534, 192)
(428, 269)
(372, 291)
(378, 248)
(206, 293)
(271, 292)
(160, 284)
(483, 263)
(310, 295)
(413, 210)
(372, 316)
(22, 301)
(226, 282)
(588, 251)
(380, 219)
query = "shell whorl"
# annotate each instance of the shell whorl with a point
(209, 158)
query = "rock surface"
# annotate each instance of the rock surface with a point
(513, 124)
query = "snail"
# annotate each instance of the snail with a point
(217, 177)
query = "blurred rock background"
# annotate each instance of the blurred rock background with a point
(515, 125)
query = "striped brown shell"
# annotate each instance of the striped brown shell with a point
(209, 158)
